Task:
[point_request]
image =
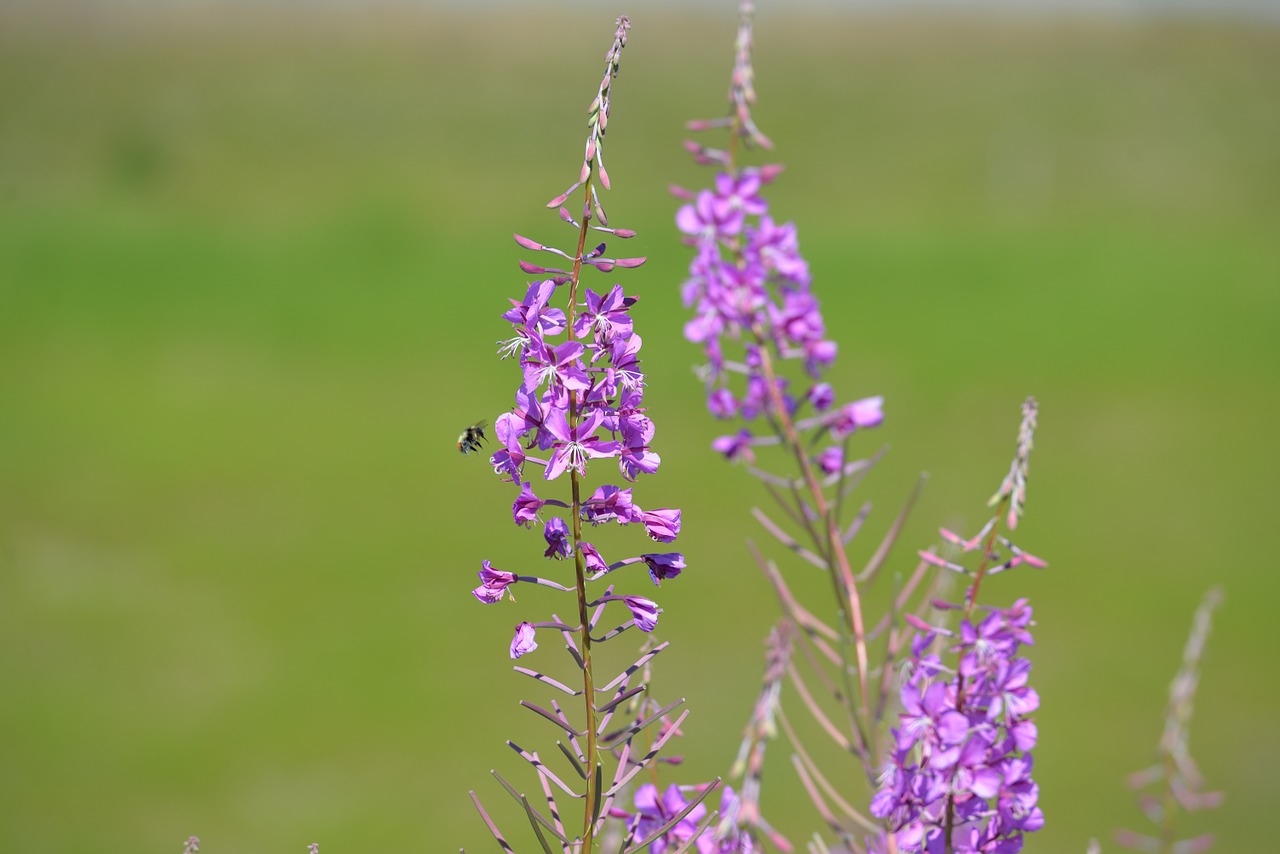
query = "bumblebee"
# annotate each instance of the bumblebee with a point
(469, 440)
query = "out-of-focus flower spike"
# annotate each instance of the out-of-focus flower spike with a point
(742, 92)
(680, 192)
(1175, 772)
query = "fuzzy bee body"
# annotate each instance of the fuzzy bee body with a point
(470, 439)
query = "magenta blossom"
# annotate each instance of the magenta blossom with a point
(523, 641)
(493, 584)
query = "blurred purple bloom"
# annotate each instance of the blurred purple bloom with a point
(709, 218)
(831, 460)
(653, 812)
(867, 412)
(735, 447)
(722, 403)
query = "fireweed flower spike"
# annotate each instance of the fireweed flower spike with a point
(766, 346)
(578, 408)
(754, 311)
(959, 778)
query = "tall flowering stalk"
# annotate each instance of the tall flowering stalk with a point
(955, 774)
(1174, 784)
(761, 329)
(579, 403)
(959, 778)
(755, 312)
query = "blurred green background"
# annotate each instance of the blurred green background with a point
(251, 262)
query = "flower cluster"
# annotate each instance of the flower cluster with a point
(962, 760)
(748, 283)
(580, 399)
(685, 822)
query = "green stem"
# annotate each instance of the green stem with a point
(579, 563)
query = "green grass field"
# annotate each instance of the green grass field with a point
(251, 266)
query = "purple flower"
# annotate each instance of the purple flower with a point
(626, 364)
(636, 458)
(741, 191)
(662, 566)
(526, 507)
(861, 413)
(575, 445)
(591, 558)
(493, 584)
(722, 403)
(644, 612)
(532, 313)
(556, 533)
(821, 396)
(735, 447)
(508, 462)
(662, 526)
(709, 218)
(605, 317)
(559, 367)
(653, 812)
(523, 641)
(609, 503)
(831, 460)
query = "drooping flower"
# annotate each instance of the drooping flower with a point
(663, 566)
(735, 447)
(609, 503)
(526, 506)
(663, 525)
(556, 533)
(493, 584)
(523, 641)
(643, 611)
